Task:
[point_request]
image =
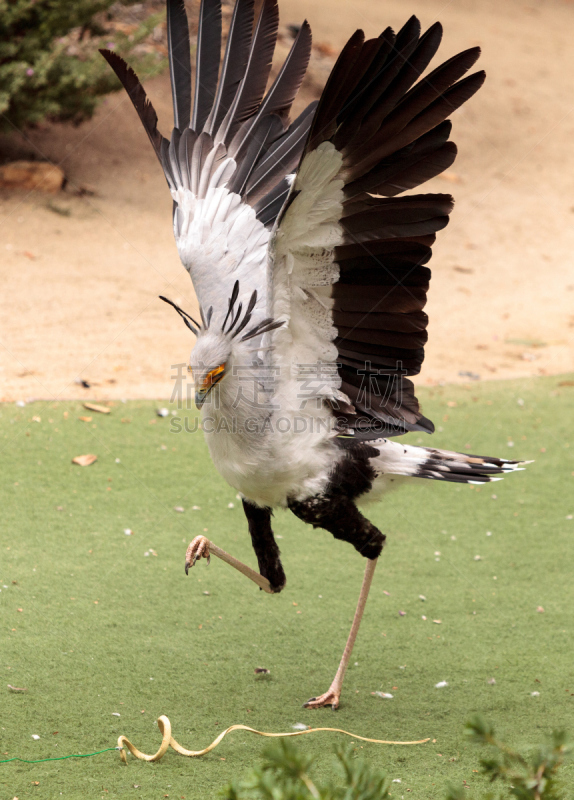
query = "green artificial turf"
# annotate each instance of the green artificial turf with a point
(91, 626)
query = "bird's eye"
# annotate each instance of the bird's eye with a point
(213, 376)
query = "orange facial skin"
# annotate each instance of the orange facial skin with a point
(212, 377)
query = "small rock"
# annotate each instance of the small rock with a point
(29, 175)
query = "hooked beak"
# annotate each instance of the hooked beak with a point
(212, 377)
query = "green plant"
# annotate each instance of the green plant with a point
(284, 775)
(50, 67)
(285, 772)
(528, 777)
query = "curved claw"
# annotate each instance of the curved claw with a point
(198, 548)
(330, 698)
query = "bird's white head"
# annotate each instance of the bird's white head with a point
(216, 343)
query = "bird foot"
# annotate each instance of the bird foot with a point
(198, 548)
(330, 698)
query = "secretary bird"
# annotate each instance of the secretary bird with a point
(309, 269)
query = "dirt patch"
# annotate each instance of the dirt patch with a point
(82, 274)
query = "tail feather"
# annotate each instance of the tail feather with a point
(440, 465)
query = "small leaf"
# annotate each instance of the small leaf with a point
(98, 408)
(85, 460)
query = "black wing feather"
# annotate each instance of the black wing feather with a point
(179, 62)
(252, 88)
(137, 95)
(207, 61)
(234, 62)
(392, 133)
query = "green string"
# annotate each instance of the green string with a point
(59, 758)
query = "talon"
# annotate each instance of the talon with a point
(330, 698)
(199, 548)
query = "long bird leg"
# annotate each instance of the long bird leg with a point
(338, 514)
(201, 547)
(332, 695)
(270, 577)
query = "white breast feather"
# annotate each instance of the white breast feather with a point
(302, 254)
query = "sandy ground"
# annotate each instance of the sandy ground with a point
(81, 275)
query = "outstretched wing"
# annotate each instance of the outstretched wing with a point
(350, 276)
(228, 159)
